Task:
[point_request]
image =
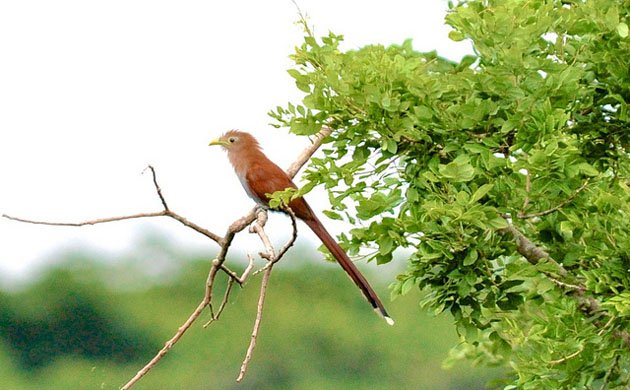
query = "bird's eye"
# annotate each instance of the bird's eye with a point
(232, 140)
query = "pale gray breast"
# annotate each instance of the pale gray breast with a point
(250, 193)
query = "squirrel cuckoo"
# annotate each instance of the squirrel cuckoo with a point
(260, 176)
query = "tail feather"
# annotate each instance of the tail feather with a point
(348, 266)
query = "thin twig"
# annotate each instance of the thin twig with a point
(564, 359)
(254, 336)
(226, 296)
(259, 228)
(232, 275)
(90, 222)
(528, 188)
(217, 264)
(272, 258)
(302, 19)
(182, 329)
(214, 237)
(603, 328)
(225, 242)
(291, 241)
(156, 185)
(564, 285)
(568, 200)
(164, 213)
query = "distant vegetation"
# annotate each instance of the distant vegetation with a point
(70, 330)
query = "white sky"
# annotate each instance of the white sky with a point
(91, 92)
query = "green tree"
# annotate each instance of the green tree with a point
(506, 176)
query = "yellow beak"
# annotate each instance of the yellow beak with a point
(217, 141)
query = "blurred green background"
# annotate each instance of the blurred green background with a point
(92, 322)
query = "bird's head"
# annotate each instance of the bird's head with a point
(234, 140)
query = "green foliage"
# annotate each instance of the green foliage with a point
(281, 199)
(532, 132)
(331, 342)
(73, 321)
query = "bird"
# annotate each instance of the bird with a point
(260, 176)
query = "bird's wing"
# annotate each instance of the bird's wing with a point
(266, 178)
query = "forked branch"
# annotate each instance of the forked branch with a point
(217, 264)
(272, 257)
(166, 212)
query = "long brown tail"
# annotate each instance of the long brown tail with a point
(348, 266)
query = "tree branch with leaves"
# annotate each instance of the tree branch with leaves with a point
(504, 176)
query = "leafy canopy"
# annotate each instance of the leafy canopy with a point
(505, 175)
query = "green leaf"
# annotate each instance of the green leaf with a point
(498, 223)
(587, 169)
(423, 112)
(392, 146)
(476, 148)
(457, 171)
(471, 257)
(566, 230)
(407, 286)
(332, 215)
(456, 36)
(385, 245)
(622, 30)
(295, 73)
(412, 194)
(481, 192)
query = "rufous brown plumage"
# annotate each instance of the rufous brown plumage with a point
(260, 176)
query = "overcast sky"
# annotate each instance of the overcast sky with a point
(91, 92)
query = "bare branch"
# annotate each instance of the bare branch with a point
(254, 336)
(272, 260)
(217, 264)
(182, 329)
(258, 228)
(157, 186)
(90, 222)
(226, 296)
(291, 241)
(214, 237)
(164, 213)
(248, 269)
(234, 276)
